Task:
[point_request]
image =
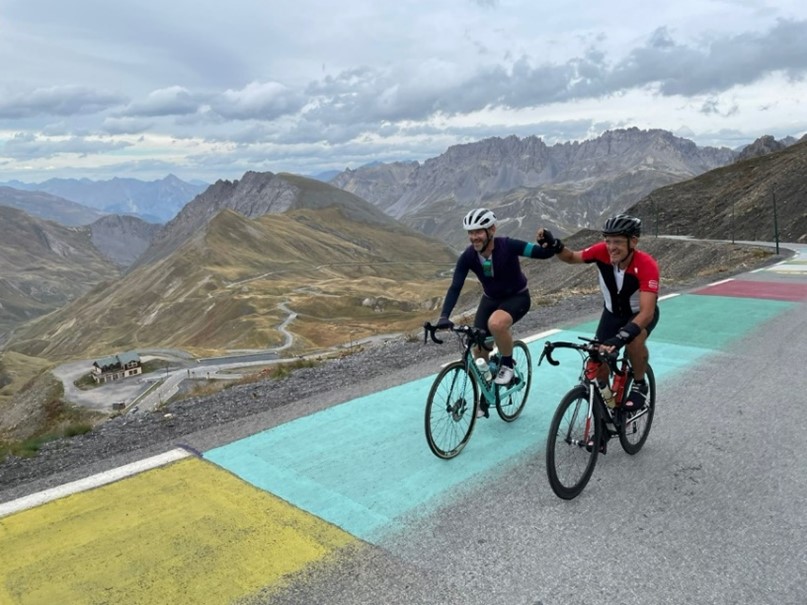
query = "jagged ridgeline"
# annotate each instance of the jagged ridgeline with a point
(566, 186)
(221, 280)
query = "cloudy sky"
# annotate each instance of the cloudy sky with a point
(209, 89)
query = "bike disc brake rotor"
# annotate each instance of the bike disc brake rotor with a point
(458, 409)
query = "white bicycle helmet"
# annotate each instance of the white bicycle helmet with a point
(479, 218)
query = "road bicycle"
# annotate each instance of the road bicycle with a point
(461, 388)
(583, 422)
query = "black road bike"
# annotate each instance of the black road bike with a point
(583, 422)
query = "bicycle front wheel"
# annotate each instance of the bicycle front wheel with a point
(636, 425)
(451, 410)
(510, 406)
(569, 462)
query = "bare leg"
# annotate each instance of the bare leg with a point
(638, 355)
(499, 325)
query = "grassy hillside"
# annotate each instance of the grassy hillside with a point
(43, 266)
(737, 201)
(234, 283)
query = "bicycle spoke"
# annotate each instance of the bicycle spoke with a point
(636, 425)
(569, 462)
(510, 400)
(450, 411)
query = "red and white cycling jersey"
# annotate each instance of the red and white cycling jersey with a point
(620, 289)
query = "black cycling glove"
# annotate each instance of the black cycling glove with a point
(625, 335)
(551, 241)
(444, 323)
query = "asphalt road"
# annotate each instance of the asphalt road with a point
(711, 511)
(147, 391)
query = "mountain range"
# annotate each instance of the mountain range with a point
(49, 207)
(249, 253)
(153, 201)
(245, 262)
(569, 185)
(761, 198)
(45, 266)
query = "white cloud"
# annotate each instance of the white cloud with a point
(257, 100)
(56, 101)
(174, 100)
(189, 88)
(25, 146)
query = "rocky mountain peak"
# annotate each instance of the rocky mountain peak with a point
(762, 146)
(567, 184)
(256, 194)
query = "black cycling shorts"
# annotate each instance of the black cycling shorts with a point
(610, 324)
(516, 305)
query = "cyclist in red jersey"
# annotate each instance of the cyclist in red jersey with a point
(629, 281)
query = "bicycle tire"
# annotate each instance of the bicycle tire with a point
(511, 407)
(635, 426)
(569, 464)
(451, 410)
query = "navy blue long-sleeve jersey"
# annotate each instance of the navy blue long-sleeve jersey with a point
(501, 278)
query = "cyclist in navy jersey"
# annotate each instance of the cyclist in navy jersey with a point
(505, 298)
(629, 281)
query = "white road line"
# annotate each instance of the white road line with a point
(26, 502)
(541, 335)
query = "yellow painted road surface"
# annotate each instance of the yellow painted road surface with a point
(188, 532)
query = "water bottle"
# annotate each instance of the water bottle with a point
(493, 364)
(607, 394)
(484, 369)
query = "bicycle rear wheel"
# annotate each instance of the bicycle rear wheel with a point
(569, 463)
(510, 407)
(451, 410)
(635, 426)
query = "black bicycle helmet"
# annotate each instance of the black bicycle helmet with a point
(479, 218)
(623, 224)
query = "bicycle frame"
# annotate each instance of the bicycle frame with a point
(488, 388)
(473, 337)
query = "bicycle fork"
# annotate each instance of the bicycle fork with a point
(588, 431)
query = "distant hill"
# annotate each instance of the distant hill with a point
(736, 201)
(44, 266)
(49, 207)
(235, 281)
(153, 201)
(256, 194)
(122, 239)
